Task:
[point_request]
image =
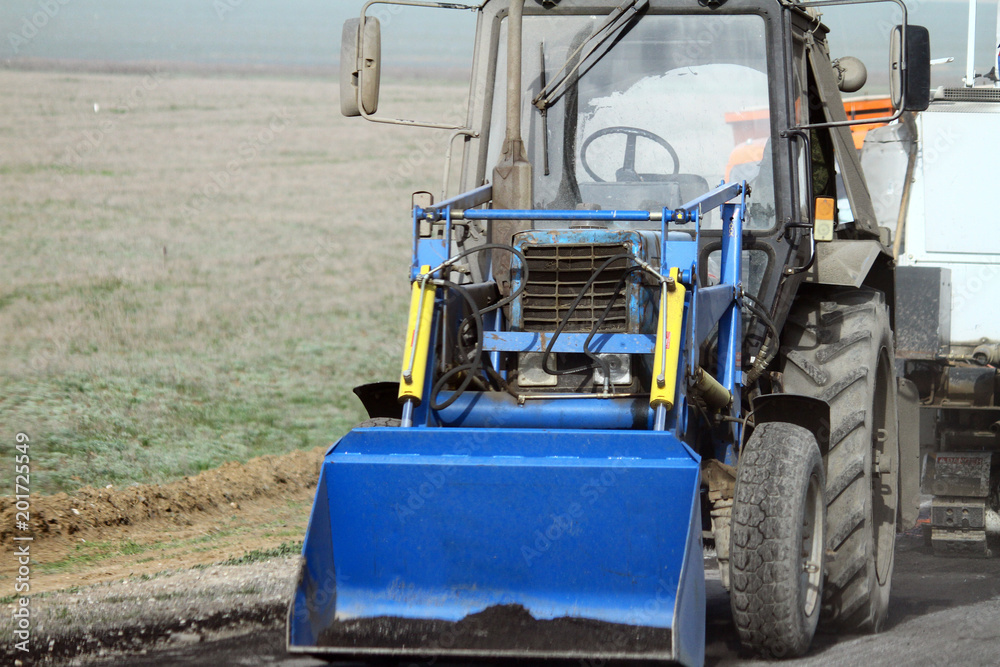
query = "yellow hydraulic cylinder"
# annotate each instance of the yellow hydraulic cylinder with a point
(668, 343)
(418, 336)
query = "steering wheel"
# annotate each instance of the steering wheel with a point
(627, 172)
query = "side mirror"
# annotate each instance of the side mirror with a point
(360, 67)
(910, 86)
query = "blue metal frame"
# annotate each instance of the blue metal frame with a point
(704, 306)
(679, 215)
(428, 252)
(530, 341)
(730, 363)
(500, 410)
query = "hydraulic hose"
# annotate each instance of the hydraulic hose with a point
(572, 309)
(475, 317)
(769, 348)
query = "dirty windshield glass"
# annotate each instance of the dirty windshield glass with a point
(663, 112)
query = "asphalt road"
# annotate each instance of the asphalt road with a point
(943, 612)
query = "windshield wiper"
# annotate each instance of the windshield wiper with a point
(544, 110)
(621, 17)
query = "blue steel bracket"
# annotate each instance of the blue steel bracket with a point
(715, 198)
(692, 212)
(713, 302)
(432, 252)
(471, 199)
(730, 361)
(530, 341)
(571, 215)
(428, 251)
(708, 306)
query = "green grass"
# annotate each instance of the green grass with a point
(88, 553)
(257, 555)
(34, 168)
(138, 345)
(140, 429)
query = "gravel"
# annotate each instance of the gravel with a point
(140, 614)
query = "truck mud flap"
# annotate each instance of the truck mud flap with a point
(475, 543)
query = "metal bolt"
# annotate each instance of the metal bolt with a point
(881, 465)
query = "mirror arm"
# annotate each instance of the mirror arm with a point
(468, 134)
(413, 123)
(903, 65)
(848, 123)
(361, 69)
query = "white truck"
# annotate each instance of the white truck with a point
(932, 178)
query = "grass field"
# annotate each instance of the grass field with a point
(196, 270)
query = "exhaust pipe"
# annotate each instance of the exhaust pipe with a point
(512, 187)
(515, 51)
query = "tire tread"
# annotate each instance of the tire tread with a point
(765, 560)
(841, 332)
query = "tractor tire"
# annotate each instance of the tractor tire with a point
(838, 346)
(778, 546)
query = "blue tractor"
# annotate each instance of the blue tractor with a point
(623, 340)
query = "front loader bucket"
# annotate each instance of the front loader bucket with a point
(495, 544)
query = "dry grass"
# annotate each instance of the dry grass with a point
(200, 271)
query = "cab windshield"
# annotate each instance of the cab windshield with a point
(665, 110)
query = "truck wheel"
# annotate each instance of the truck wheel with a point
(838, 347)
(776, 561)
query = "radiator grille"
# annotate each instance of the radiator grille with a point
(557, 274)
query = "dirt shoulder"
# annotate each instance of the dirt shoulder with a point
(97, 535)
(118, 569)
